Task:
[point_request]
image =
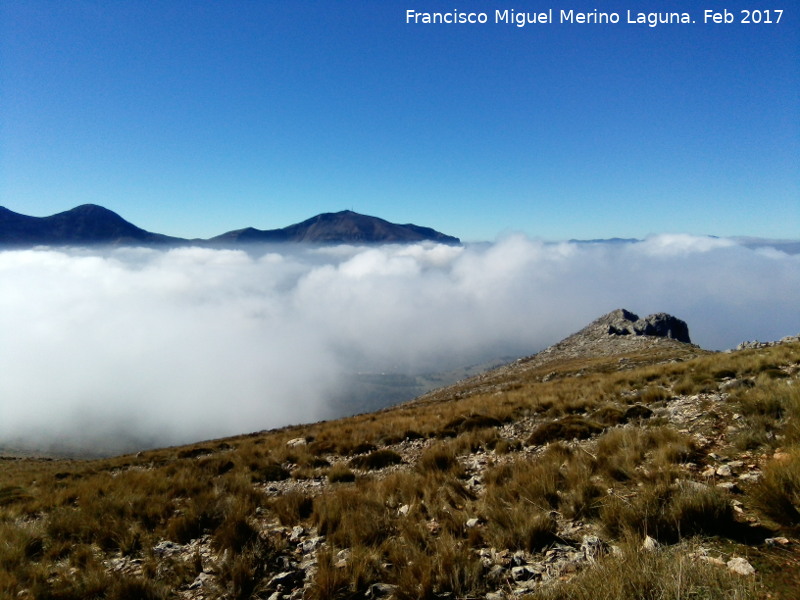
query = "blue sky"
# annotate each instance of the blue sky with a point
(195, 118)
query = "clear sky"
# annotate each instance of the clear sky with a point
(195, 118)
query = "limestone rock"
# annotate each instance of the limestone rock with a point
(623, 322)
(740, 566)
(724, 471)
(649, 544)
(380, 590)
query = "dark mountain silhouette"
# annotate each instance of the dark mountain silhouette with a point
(85, 224)
(341, 227)
(92, 224)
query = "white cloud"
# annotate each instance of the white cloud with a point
(194, 343)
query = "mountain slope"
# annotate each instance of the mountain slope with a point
(345, 227)
(652, 470)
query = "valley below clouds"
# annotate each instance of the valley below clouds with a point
(125, 348)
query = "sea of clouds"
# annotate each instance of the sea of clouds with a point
(135, 347)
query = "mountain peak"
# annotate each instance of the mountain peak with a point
(343, 227)
(84, 224)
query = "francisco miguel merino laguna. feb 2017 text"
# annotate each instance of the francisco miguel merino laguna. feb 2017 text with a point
(595, 17)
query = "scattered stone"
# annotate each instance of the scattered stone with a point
(311, 544)
(755, 344)
(294, 443)
(777, 541)
(713, 560)
(593, 547)
(285, 579)
(749, 477)
(692, 485)
(471, 523)
(724, 471)
(519, 559)
(166, 548)
(649, 544)
(404, 510)
(380, 590)
(740, 566)
(342, 558)
(524, 573)
(781, 456)
(203, 580)
(496, 574)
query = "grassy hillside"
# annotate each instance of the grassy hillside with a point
(651, 474)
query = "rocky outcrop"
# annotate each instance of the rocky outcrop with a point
(617, 332)
(624, 322)
(755, 344)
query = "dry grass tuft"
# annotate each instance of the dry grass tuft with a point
(292, 507)
(379, 459)
(669, 513)
(341, 473)
(637, 575)
(440, 458)
(567, 428)
(778, 491)
(351, 517)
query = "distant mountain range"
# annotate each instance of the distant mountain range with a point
(92, 224)
(787, 246)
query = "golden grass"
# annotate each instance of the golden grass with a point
(666, 573)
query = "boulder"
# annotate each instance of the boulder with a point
(740, 566)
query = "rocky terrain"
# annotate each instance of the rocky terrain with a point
(621, 447)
